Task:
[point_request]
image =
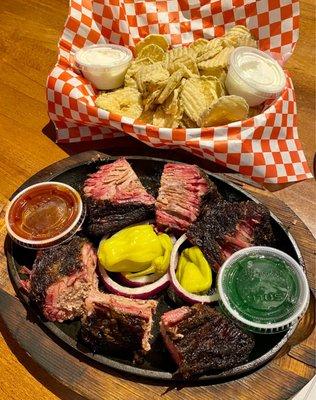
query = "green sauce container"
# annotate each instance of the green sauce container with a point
(263, 289)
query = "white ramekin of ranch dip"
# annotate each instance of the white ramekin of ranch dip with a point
(104, 65)
(254, 75)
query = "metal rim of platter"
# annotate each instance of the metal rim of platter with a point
(55, 332)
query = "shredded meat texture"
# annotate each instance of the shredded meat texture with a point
(117, 324)
(223, 228)
(203, 340)
(62, 277)
(118, 183)
(115, 198)
(181, 193)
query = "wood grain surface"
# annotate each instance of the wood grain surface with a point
(29, 32)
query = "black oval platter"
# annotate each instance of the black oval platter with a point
(157, 364)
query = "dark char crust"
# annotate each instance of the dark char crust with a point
(52, 264)
(109, 331)
(218, 220)
(210, 342)
(212, 196)
(105, 217)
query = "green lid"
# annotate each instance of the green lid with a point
(263, 288)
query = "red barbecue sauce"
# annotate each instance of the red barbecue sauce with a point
(43, 212)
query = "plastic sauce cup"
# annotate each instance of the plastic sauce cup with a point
(263, 289)
(44, 215)
(254, 75)
(104, 65)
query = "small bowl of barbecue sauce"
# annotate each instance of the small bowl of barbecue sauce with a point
(44, 215)
(263, 289)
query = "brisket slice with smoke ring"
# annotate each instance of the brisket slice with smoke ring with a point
(200, 339)
(117, 324)
(62, 277)
(182, 190)
(115, 198)
(223, 228)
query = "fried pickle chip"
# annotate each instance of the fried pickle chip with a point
(187, 73)
(130, 82)
(198, 94)
(172, 83)
(158, 40)
(238, 30)
(186, 122)
(164, 120)
(237, 41)
(171, 105)
(150, 78)
(222, 77)
(137, 64)
(176, 54)
(151, 100)
(225, 110)
(212, 48)
(153, 52)
(239, 35)
(217, 72)
(247, 41)
(193, 99)
(126, 102)
(147, 117)
(129, 79)
(178, 113)
(199, 45)
(179, 52)
(185, 61)
(220, 60)
(215, 84)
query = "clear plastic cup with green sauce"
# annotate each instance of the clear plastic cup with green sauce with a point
(263, 289)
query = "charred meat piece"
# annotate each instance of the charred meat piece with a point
(115, 323)
(223, 228)
(62, 277)
(201, 339)
(182, 189)
(115, 198)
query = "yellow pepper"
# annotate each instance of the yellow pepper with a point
(137, 249)
(193, 272)
(159, 264)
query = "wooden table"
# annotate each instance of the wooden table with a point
(29, 31)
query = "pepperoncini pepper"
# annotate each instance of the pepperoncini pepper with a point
(193, 272)
(137, 250)
(159, 264)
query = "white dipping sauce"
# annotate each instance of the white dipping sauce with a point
(254, 75)
(104, 66)
(102, 56)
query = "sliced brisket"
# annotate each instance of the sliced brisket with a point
(117, 324)
(182, 188)
(62, 277)
(224, 228)
(115, 198)
(201, 339)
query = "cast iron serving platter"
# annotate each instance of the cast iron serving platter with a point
(157, 364)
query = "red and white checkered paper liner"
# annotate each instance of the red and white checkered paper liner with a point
(266, 147)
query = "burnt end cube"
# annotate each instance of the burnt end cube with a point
(115, 324)
(200, 339)
(115, 198)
